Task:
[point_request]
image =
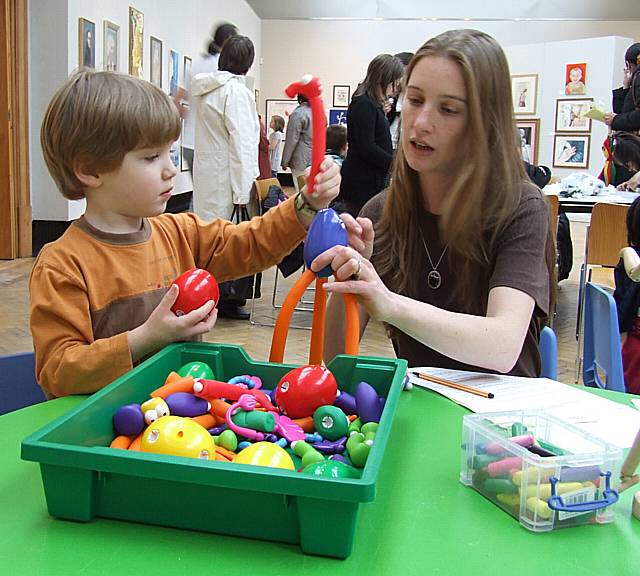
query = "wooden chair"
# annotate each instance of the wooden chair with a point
(554, 209)
(262, 187)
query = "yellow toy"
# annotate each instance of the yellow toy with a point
(178, 436)
(265, 454)
(153, 409)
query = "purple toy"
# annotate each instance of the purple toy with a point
(128, 420)
(346, 402)
(186, 404)
(368, 403)
(331, 447)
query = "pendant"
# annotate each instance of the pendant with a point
(434, 279)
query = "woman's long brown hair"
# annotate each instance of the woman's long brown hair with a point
(486, 190)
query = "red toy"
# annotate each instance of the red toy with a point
(197, 287)
(304, 389)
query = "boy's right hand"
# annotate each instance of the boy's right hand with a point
(163, 326)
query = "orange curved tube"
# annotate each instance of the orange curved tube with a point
(137, 442)
(352, 330)
(306, 423)
(316, 346)
(184, 384)
(206, 420)
(123, 442)
(279, 338)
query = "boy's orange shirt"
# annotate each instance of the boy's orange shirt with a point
(88, 288)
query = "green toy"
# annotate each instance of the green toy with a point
(197, 370)
(307, 452)
(331, 422)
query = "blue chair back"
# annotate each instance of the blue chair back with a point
(549, 353)
(602, 354)
(18, 386)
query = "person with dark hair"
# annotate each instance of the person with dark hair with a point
(626, 152)
(337, 142)
(365, 169)
(626, 107)
(396, 103)
(297, 144)
(227, 135)
(207, 62)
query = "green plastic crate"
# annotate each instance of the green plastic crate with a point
(227, 498)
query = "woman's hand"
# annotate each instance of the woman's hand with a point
(359, 233)
(608, 118)
(357, 276)
(632, 184)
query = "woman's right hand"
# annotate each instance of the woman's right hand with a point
(632, 184)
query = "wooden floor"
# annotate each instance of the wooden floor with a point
(256, 339)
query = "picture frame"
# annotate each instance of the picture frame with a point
(86, 43)
(110, 46)
(564, 143)
(575, 79)
(338, 116)
(341, 96)
(155, 61)
(187, 63)
(279, 107)
(529, 131)
(136, 37)
(570, 115)
(524, 91)
(184, 164)
(174, 72)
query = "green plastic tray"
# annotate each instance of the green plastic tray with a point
(83, 477)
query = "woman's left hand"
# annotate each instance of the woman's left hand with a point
(608, 118)
(357, 276)
(359, 234)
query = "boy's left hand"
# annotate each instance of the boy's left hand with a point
(326, 185)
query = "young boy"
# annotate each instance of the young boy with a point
(101, 295)
(337, 142)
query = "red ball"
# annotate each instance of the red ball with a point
(304, 389)
(196, 287)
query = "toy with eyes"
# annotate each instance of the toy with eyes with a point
(153, 409)
(302, 390)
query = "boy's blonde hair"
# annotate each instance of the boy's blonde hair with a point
(96, 118)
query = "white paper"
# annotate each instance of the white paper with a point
(615, 423)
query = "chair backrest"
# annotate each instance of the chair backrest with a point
(262, 186)
(602, 353)
(554, 208)
(607, 234)
(18, 386)
(549, 353)
(302, 182)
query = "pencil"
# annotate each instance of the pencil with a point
(450, 384)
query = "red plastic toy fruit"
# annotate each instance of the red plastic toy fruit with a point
(304, 389)
(197, 287)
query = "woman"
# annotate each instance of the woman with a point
(462, 260)
(369, 155)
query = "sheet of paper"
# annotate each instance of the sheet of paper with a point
(610, 421)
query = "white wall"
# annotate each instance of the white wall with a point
(183, 26)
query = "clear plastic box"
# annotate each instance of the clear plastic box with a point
(564, 477)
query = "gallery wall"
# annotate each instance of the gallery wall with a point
(182, 26)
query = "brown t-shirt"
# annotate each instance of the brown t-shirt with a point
(519, 263)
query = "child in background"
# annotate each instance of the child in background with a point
(275, 143)
(337, 142)
(101, 295)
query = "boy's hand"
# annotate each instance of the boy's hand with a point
(359, 234)
(326, 185)
(163, 326)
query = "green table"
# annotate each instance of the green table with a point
(423, 521)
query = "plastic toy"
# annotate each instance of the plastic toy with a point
(186, 404)
(346, 402)
(197, 370)
(302, 390)
(128, 420)
(326, 230)
(178, 437)
(368, 403)
(153, 409)
(331, 422)
(213, 389)
(359, 444)
(307, 452)
(227, 439)
(331, 469)
(265, 454)
(197, 287)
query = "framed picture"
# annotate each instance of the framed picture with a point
(174, 65)
(337, 116)
(110, 46)
(175, 155)
(184, 163)
(136, 36)
(571, 150)
(529, 135)
(524, 91)
(575, 79)
(86, 43)
(570, 114)
(282, 108)
(341, 96)
(186, 68)
(155, 57)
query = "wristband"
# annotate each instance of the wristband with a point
(303, 206)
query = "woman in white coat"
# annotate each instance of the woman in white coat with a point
(227, 133)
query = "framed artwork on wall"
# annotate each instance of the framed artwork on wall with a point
(86, 43)
(529, 136)
(174, 66)
(571, 150)
(110, 46)
(524, 91)
(136, 36)
(337, 116)
(282, 108)
(575, 79)
(570, 114)
(155, 57)
(341, 96)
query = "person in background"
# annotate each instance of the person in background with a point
(396, 104)
(626, 152)
(264, 164)
(337, 142)
(207, 62)
(275, 143)
(461, 268)
(297, 147)
(365, 169)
